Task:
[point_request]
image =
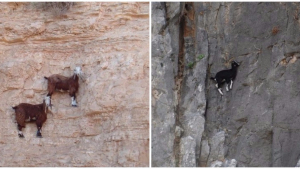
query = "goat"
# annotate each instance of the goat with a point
(37, 113)
(226, 76)
(70, 84)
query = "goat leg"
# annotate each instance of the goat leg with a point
(74, 103)
(39, 134)
(220, 91)
(49, 95)
(231, 82)
(20, 133)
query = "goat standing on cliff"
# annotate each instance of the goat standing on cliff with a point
(70, 84)
(226, 76)
(37, 113)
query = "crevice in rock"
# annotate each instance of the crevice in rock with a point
(178, 83)
(207, 88)
(208, 74)
(207, 79)
(289, 58)
(217, 16)
(294, 43)
(182, 13)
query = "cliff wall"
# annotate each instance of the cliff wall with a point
(256, 124)
(110, 126)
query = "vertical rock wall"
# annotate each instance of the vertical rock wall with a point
(260, 114)
(256, 123)
(165, 49)
(110, 126)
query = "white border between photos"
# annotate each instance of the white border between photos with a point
(150, 89)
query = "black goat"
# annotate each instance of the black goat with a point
(226, 76)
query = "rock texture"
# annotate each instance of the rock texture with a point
(259, 117)
(164, 68)
(110, 126)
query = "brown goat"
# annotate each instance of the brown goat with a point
(70, 84)
(37, 113)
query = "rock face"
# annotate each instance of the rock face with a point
(164, 69)
(110, 126)
(259, 117)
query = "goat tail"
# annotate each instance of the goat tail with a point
(46, 77)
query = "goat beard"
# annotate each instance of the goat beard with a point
(81, 76)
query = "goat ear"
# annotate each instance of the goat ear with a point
(235, 62)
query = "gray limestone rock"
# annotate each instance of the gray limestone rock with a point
(230, 163)
(227, 163)
(261, 111)
(216, 147)
(204, 153)
(164, 52)
(187, 152)
(178, 131)
(216, 164)
(257, 122)
(298, 164)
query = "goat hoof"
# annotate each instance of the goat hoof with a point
(21, 135)
(74, 105)
(39, 134)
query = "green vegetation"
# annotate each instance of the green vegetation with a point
(200, 56)
(191, 64)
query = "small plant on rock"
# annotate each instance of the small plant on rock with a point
(200, 56)
(191, 65)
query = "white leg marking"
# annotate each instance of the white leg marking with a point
(227, 87)
(217, 85)
(220, 91)
(74, 102)
(20, 132)
(231, 82)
